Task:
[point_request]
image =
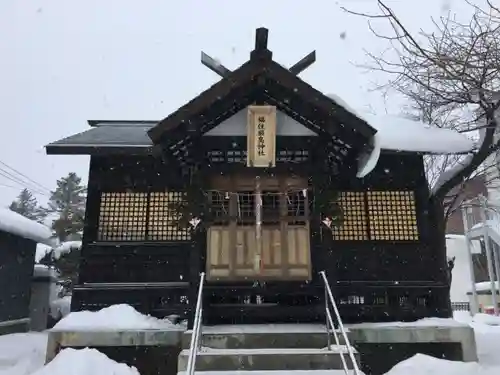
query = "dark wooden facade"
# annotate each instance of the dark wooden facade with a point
(383, 262)
(373, 279)
(17, 259)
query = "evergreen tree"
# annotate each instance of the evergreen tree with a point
(66, 262)
(26, 204)
(67, 203)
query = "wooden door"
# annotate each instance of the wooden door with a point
(232, 245)
(279, 261)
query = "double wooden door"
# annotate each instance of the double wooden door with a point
(284, 251)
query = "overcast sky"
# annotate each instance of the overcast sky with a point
(63, 62)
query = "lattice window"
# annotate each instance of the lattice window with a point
(240, 156)
(270, 205)
(352, 300)
(354, 224)
(246, 204)
(122, 217)
(219, 203)
(392, 215)
(295, 156)
(134, 216)
(162, 225)
(296, 204)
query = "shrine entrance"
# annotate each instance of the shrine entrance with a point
(261, 230)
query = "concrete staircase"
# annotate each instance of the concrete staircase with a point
(262, 349)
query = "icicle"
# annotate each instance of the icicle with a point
(304, 193)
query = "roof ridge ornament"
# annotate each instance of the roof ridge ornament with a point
(261, 52)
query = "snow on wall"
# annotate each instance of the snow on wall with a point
(461, 277)
(112, 318)
(12, 222)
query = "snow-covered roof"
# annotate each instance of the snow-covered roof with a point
(12, 222)
(393, 133)
(401, 134)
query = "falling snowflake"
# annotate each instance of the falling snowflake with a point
(343, 35)
(445, 5)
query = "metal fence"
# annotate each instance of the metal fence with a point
(460, 306)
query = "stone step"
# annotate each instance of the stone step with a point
(267, 359)
(272, 372)
(263, 336)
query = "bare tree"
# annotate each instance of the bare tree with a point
(452, 76)
(436, 165)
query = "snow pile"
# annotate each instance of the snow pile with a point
(487, 341)
(41, 251)
(60, 307)
(114, 318)
(84, 362)
(22, 353)
(421, 364)
(487, 319)
(66, 247)
(426, 322)
(14, 223)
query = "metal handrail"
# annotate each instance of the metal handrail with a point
(195, 336)
(330, 325)
(488, 222)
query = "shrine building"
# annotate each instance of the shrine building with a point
(262, 181)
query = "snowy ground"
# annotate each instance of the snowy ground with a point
(24, 354)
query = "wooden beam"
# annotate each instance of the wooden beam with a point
(261, 37)
(303, 64)
(214, 65)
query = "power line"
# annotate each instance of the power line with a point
(9, 176)
(26, 177)
(17, 188)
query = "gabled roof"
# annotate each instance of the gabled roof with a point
(105, 136)
(263, 80)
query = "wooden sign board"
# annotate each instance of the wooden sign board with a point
(261, 136)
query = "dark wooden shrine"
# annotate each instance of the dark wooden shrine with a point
(383, 258)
